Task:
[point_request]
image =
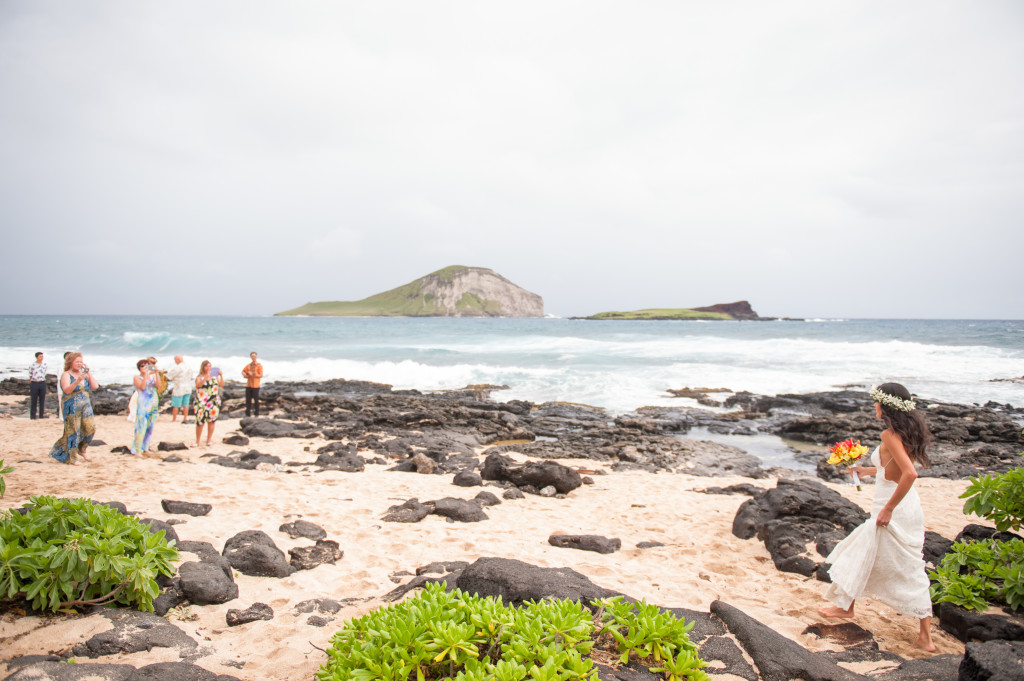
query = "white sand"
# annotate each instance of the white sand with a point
(702, 560)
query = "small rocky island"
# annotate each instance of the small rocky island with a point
(455, 291)
(739, 310)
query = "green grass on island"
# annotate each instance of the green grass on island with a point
(662, 313)
(408, 300)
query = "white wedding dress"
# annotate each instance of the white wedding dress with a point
(884, 563)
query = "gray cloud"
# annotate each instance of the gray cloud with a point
(818, 159)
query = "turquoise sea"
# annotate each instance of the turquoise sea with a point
(620, 365)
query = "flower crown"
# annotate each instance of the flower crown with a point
(892, 401)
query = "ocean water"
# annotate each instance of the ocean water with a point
(619, 365)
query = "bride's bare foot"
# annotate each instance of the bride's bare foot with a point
(76, 463)
(924, 636)
(833, 611)
(925, 645)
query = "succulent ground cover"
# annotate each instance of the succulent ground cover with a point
(62, 553)
(439, 634)
(974, 574)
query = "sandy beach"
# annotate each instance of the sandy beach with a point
(701, 560)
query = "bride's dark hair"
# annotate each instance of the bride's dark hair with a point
(909, 425)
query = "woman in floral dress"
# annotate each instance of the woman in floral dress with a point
(208, 388)
(76, 410)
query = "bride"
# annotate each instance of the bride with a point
(882, 558)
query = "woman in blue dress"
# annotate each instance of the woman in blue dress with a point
(146, 406)
(76, 410)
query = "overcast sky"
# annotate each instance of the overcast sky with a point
(819, 159)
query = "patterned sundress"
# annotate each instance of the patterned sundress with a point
(79, 425)
(207, 402)
(146, 407)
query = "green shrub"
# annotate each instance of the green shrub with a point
(4, 470)
(71, 552)
(1000, 498)
(455, 635)
(974, 574)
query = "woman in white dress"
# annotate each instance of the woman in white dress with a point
(883, 558)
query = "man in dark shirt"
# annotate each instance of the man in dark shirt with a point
(37, 387)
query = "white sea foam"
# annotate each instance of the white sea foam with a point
(621, 366)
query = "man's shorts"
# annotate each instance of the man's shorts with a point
(181, 400)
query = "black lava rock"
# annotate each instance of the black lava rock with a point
(256, 611)
(586, 542)
(185, 507)
(253, 552)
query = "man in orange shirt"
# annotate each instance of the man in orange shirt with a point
(253, 372)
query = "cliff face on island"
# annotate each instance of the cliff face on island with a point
(455, 291)
(738, 310)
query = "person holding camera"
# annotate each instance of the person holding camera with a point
(253, 372)
(147, 404)
(182, 382)
(208, 385)
(76, 410)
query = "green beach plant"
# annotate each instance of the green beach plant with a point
(4, 470)
(974, 574)
(454, 635)
(999, 498)
(63, 553)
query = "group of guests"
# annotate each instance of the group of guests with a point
(75, 406)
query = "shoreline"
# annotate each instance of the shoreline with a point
(699, 560)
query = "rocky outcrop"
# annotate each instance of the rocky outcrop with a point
(50, 670)
(993, 660)
(185, 507)
(517, 582)
(739, 310)
(586, 542)
(133, 631)
(204, 583)
(303, 528)
(254, 613)
(253, 552)
(795, 514)
(308, 557)
(530, 474)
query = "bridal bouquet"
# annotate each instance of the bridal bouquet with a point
(846, 453)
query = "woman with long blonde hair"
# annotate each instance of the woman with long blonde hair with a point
(208, 388)
(76, 409)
